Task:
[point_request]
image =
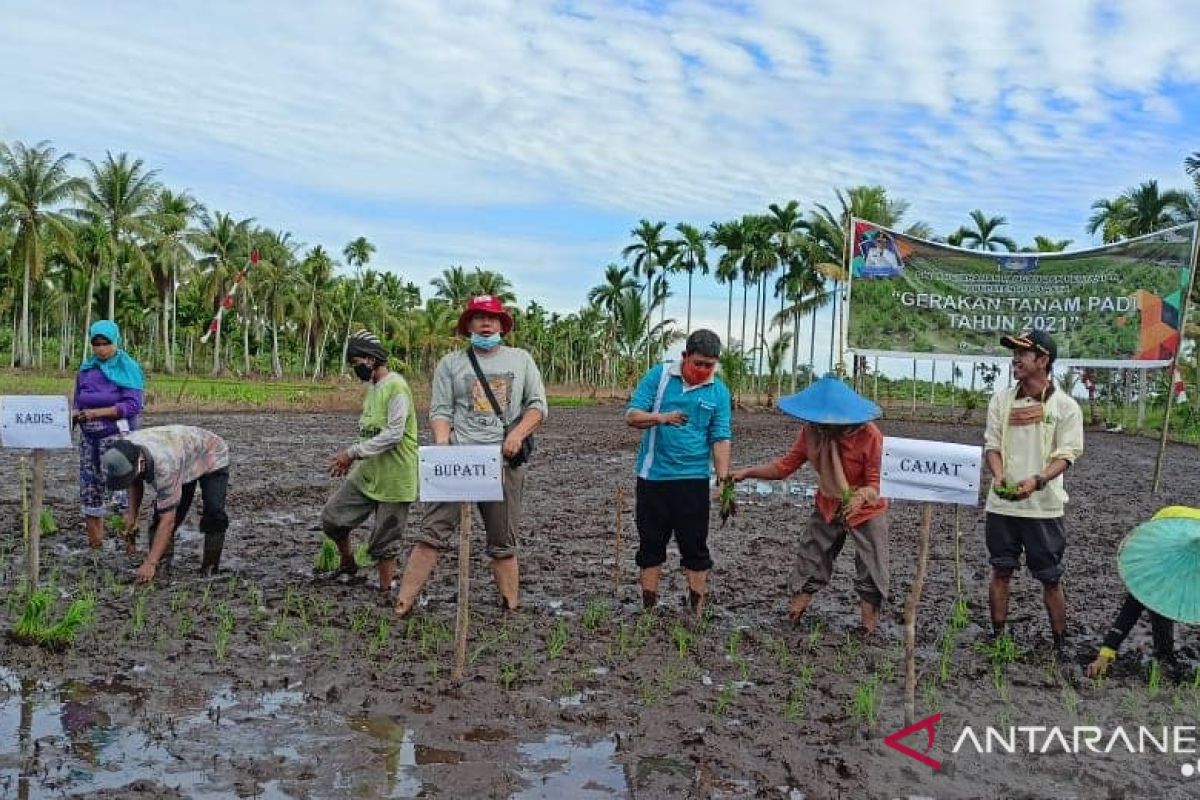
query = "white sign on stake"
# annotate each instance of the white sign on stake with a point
(461, 473)
(37, 422)
(935, 472)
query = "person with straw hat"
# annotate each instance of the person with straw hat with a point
(1159, 562)
(1034, 433)
(845, 449)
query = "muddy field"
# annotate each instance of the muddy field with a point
(258, 683)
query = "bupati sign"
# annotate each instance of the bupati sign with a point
(1115, 306)
(468, 473)
(38, 422)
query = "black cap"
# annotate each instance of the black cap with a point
(1037, 341)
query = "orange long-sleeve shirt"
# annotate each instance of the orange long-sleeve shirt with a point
(862, 456)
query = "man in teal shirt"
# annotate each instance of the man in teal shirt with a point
(382, 466)
(685, 413)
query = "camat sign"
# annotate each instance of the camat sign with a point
(935, 472)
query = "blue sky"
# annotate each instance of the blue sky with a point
(529, 137)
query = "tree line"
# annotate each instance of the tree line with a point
(83, 239)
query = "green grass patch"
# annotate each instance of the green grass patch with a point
(569, 401)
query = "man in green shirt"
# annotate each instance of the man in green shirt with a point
(382, 466)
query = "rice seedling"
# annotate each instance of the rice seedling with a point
(1070, 701)
(114, 524)
(814, 635)
(49, 526)
(179, 599)
(644, 629)
(625, 641)
(557, 640)
(683, 638)
(959, 615)
(33, 619)
(204, 598)
(724, 699)
(281, 629)
(79, 615)
(595, 614)
(138, 616)
(728, 501)
(183, 626)
(382, 633)
(327, 558)
(735, 641)
(864, 705)
(1154, 680)
(362, 557)
(509, 673)
(777, 646)
(224, 631)
(1000, 653)
(231, 586)
(796, 705)
(359, 621)
(648, 690)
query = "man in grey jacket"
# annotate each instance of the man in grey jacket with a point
(461, 413)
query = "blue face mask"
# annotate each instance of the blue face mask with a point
(485, 342)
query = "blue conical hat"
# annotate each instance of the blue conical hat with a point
(1160, 564)
(830, 401)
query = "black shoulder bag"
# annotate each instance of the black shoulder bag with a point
(527, 444)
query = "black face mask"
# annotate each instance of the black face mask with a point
(363, 372)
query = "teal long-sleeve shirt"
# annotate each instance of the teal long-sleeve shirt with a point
(677, 452)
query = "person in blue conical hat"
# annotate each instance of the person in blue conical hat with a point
(845, 448)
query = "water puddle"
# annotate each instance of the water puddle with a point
(563, 766)
(79, 738)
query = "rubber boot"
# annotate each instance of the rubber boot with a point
(417, 570)
(507, 576)
(214, 543)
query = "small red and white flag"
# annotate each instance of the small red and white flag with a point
(228, 300)
(1178, 387)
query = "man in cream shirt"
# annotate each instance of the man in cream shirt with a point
(1034, 434)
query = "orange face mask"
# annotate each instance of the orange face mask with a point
(695, 374)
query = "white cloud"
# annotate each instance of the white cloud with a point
(1031, 110)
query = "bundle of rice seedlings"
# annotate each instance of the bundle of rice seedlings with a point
(79, 615)
(361, 557)
(327, 558)
(33, 618)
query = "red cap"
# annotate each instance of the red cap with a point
(484, 304)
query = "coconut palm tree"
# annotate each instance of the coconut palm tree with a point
(1191, 166)
(276, 280)
(692, 256)
(729, 237)
(357, 253)
(983, 236)
(454, 286)
(120, 193)
(167, 250)
(1139, 210)
(33, 182)
(317, 272)
(1044, 244)
(486, 281)
(647, 253)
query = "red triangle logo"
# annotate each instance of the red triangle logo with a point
(929, 725)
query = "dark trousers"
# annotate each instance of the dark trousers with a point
(213, 519)
(673, 508)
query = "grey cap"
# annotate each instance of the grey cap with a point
(119, 463)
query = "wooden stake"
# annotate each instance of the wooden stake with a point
(464, 591)
(957, 552)
(910, 617)
(33, 557)
(617, 548)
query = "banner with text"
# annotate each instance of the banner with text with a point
(1114, 306)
